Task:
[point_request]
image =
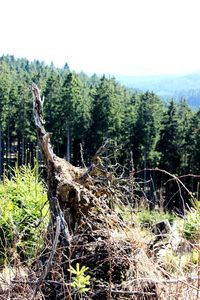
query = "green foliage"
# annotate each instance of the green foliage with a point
(185, 117)
(108, 112)
(146, 218)
(75, 111)
(146, 133)
(191, 227)
(193, 146)
(53, 106)
(77, 105)
(191, 224)
(79, 280)
(169, 141)
(23, 213)
(195, 256)
(89, 110)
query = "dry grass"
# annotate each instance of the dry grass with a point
(131, 271)
(15, 284)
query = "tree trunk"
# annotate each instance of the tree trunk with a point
(68, 145)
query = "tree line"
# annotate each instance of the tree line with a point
(83, 110)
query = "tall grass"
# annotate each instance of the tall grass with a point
(191, 227)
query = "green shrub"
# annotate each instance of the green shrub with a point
(23, 213)
(191, 224)
(191, 227)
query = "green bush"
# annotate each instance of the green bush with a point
(23, 214)
(191, 227)
(191, 224)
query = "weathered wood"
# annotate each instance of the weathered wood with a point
(82, 223)
(62, 177)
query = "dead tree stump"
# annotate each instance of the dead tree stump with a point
(83, 229)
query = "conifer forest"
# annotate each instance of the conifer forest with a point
(83, 112)
(99, 188)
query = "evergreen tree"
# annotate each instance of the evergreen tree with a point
(89, 110)
(169, 140)
(131, 106)
(146, 132)
(193, 146)
(184, 119)
(5, 87)
(53, 107)
(108, 112)
(76, 114)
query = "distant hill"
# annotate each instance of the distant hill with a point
(167, 87)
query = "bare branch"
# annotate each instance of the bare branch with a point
(43, 136)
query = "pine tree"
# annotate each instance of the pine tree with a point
(146, 133)
(76, 104)
(53, 107)
(193, 146)
(184, 118)
(169, 140)
(108, 112)
(5, 87)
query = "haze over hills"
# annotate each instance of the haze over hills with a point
(169, 86)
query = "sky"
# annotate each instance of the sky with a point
(117, 37)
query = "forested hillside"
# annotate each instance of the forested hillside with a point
(88, 110)
(171, 86)
(123, 225)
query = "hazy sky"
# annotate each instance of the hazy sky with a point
(132, 37)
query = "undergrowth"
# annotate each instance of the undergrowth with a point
(23, 214)
(177, 251)
(191, 229)
(24, 218)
